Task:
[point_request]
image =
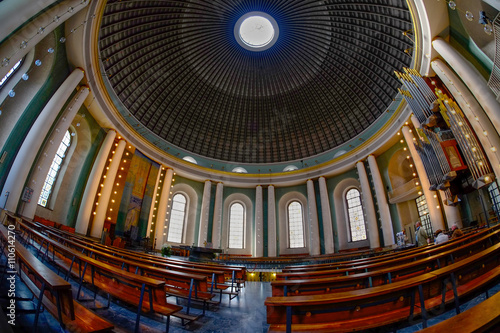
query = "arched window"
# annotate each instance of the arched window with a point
(355, 215)
(10, 73)
(177, 218)
(290, 168)
(236, 226)
(54, 169)
(190, 159)
(295, 225)
(240, 170)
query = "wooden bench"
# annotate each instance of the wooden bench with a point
(410, 254)
(52, 291)
(126, 286)
(387, 304)
(482, 317)
(193, 287)
(215, 273)
(373, 275)
(456, 249)
(235, 274)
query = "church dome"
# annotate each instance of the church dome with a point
(179, 74)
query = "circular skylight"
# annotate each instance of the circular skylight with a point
(256, 31)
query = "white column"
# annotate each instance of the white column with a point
(152, 212)
(205, 210)
(54, 140)
(163, 209)
(327, 216)
(435, 215)
(26, 38)
(452, 213)
(85, 211)
(271, 222)
(474, 112)
(26, 155)
(314, 241)
(107, 188)
(368, 206)
(259, 223)
(217, 225)
(383, 206)
(471, 77)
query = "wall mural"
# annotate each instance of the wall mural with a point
(137, 196)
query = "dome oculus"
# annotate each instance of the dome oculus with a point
(256, 31)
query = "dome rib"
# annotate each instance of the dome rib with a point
(179, 71)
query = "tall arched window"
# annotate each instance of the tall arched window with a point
(355, 215)
(177, 218)
(236, 226)
(54, 169)
(10, 73)
(295, 225)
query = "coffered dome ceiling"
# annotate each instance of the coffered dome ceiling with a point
(181, 72)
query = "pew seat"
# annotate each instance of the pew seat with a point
(53, 292)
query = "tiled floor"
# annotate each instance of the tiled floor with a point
(244, 314)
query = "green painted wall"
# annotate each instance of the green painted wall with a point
(331, 184)
(383, 165)
(97, 135)
(460, 40)
(198, 188)
(250, 193)
(60, 70)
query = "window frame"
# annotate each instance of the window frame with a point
(184, 218)
(52, 173)
(349, 221)
(423, 214)
(243, 226)
(289, 241)
(17, 66)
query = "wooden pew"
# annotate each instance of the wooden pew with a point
(126, 286)
(456, 249)
(482, 317)
(236, 274)
(188, 285)
(409, 254)
(215, 273)
(193, 287)
(387, 304)
(52, 291)
(377, 274)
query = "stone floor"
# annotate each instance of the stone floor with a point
(243, 314)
